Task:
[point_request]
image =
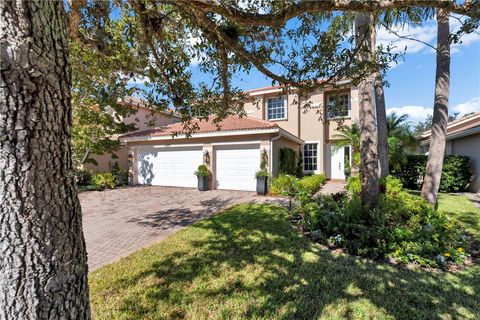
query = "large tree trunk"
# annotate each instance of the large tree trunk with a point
(368, 122)
(436, 151)
(43, 258)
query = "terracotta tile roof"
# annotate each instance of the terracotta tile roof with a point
(231, 123)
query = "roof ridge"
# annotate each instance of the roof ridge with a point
(466, 117)
(234, 125)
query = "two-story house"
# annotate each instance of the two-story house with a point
(274, 120)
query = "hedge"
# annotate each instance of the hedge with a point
(286, 185)
(456, 173)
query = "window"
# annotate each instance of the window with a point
(338, 105)
(310, 157)
(276, 109)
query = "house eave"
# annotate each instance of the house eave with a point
(200, 135)
(456, 135)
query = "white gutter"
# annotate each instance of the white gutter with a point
(270, 158)
(200, 135)
(214, 134)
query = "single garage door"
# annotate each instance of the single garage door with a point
(236, 167)
(169, 166)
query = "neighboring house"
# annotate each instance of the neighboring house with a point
(233, 152)
(143, 118)
(463, 138)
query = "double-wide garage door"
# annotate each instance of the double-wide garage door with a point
(168, 166)
(236, 166)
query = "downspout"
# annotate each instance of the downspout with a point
(270, 158)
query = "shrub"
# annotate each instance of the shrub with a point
(456, 172)
(311, 184)
(104, 180)
(404, 227)
(83, 177)
(354, 186)
(122, 177)
(287, 161)
(288, 185)
(202, 171)
(283, 185)
(261, 173)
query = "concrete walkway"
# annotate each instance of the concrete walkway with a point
(332, 187)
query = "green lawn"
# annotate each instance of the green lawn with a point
(460, 208)
(250, 263)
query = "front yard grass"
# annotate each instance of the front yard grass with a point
(460, 208)
(249, 262)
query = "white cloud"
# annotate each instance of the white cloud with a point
(426, 33)
(138, 81)
(415, 113)
(420, 113)
(192, 40)
(472, 105)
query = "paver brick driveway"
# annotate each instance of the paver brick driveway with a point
(118, 222)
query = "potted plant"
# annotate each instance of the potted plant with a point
(262, 182)
(203, 175)
(348, 170)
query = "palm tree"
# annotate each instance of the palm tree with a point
(401, 139)
(349, 136)
(436, 151)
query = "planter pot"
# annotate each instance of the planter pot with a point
(202, 183)
(262, 185)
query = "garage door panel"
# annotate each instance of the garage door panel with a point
(236, 167)
(172, 167)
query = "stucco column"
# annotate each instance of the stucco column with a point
(132, 168)
(208, 152)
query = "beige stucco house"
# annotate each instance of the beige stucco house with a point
(274, 120)
(463, 138)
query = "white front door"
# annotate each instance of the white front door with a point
(337, 162)
(236, 167)
(168, 166)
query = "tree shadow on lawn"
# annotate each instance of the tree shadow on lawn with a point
(250, 263)
(181, 216)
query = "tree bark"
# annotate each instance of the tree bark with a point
(43, 257)
(381, 116)
(436, 151)
(381, 126)
(368, 122)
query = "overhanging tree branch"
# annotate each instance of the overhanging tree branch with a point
(278, 19)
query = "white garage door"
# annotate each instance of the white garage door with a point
(236, 167)
(168, 166)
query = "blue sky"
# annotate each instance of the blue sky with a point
(412, 81)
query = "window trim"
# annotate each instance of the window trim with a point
(285, 109)
(349, 107)
(317, 156)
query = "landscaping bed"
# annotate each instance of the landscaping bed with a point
(249, 262)
(403, 229)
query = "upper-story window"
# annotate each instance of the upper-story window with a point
(338, 105)
(276, 109)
